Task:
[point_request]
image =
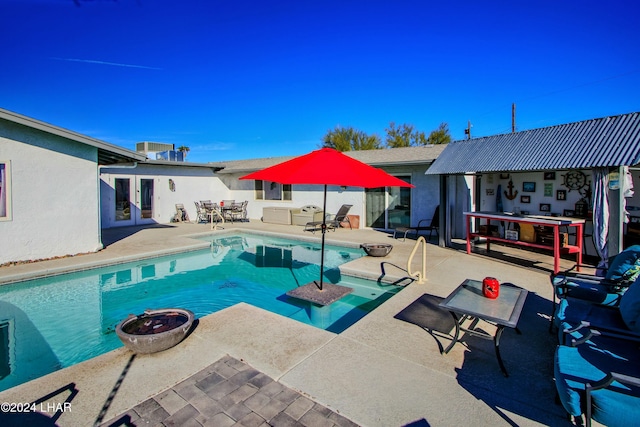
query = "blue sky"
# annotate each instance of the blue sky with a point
(245, 79)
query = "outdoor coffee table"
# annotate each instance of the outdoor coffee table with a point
(467, 302)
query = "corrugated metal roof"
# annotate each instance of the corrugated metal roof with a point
(423, 155)
(607, 141)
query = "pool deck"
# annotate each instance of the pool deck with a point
(247, 366)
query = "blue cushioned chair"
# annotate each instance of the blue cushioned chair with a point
(574, 316)
(623, 270)
(602, 383)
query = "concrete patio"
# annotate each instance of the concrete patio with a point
(382, 371)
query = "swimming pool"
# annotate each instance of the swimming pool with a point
(55, 322)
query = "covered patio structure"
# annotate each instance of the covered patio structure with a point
(579, 170)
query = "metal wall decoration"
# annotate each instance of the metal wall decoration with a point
(511, 194)
(575, 180)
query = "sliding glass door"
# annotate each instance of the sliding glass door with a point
(390, 207)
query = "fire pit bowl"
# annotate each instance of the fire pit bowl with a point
(155, 330)
(376, 249)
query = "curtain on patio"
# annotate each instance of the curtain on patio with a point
(601, 214)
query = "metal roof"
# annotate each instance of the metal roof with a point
(107, 153)
(607, 141)
(424, 155)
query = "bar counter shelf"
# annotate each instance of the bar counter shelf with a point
(547, 221)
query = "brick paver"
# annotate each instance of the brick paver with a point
(230, 393)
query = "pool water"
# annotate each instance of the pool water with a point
(55, 322)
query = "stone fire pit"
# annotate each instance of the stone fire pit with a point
(155, 330)
(377, 249)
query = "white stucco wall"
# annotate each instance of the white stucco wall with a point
(424, 197)
(491, 181)
(197, 183)
(301, 195)
(191, 184)
(54, 189)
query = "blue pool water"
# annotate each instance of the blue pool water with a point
(51, 323)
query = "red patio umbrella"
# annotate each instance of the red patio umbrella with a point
(327, 166)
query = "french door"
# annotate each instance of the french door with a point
(133, 201)
(390, 207)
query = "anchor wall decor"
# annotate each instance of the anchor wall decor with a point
(510, 195)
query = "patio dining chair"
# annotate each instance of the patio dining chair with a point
(239, 211)
(429, 225)
(203, 214)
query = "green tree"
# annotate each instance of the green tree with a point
(185, 150)
(362, 141)
(400, 136)
(440, 135)
(350, 139)
(406, 135)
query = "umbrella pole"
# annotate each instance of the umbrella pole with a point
(324, 230)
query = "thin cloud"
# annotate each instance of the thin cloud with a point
(115, 64)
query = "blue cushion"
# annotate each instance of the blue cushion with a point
(570, 312)
(616, 408)
(625, 265)
(586, 289)
(575, 366)
(630, 307)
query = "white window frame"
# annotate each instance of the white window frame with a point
(6, 213)
(284, 189)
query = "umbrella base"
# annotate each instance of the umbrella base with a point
(329, 294)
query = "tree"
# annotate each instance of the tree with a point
(440, 135)
(362, 141)
(350, 139)
(400, 136)
(185, 150)
(405, 135)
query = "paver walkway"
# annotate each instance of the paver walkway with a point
(230, 393)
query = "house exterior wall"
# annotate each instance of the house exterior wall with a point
(424, 197)
(190, 184)
(426, 194)
(301, 195)
(54, 195)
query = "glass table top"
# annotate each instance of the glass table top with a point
(504, 310)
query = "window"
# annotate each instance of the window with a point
(5, 191)
(267, 190)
